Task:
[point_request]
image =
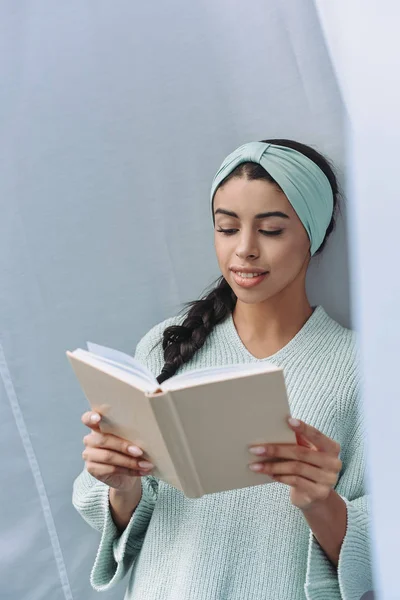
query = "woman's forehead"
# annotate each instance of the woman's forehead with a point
(242, 195)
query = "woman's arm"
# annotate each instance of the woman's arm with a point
(328, 522)
(123, 504)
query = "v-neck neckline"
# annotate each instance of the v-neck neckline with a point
(317, 315)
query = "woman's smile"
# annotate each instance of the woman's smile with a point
(248, 280)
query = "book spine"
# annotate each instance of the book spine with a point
(183, 460)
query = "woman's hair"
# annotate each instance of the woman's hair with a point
(180, 342)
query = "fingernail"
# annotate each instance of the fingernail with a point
(145, 464)
(257, 450)
(294, 422)
(256, 467)
(135, 451)
(95, 418)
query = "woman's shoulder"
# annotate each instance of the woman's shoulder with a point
(149, 350)
(338, 339)
(343, 364)
(333, 355)
(156, 332)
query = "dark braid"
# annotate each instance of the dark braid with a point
(180, 342)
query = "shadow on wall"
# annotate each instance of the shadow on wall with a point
(368, 596)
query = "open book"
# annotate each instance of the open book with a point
(196, 426)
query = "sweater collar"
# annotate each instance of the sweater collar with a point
(311, 334)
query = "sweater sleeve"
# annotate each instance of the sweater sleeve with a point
(353, 576)
(117, 552)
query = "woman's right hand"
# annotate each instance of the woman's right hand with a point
(111, 459)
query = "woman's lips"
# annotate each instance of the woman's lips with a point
(248, 282)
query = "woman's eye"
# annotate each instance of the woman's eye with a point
(276, 232)
(227, 231)
(263, 231)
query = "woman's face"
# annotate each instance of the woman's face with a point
(250, 237)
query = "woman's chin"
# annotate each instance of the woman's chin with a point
(251, 296)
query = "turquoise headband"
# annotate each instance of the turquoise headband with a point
(306, 187)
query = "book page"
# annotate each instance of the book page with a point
(124, 373)
(122, 360)
(220, 373)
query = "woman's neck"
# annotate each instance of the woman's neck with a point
(266, 327)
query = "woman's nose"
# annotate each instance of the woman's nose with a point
(247, 248)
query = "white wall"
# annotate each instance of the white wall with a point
(364, 44)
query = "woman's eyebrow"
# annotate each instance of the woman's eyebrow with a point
(266, 215)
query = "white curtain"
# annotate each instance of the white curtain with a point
(114, 118)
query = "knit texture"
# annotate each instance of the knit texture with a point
(250, 543)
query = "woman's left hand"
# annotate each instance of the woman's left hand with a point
(311, 467)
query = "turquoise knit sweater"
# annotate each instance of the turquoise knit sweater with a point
(251, 543)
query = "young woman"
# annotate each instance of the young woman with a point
(306, 535)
